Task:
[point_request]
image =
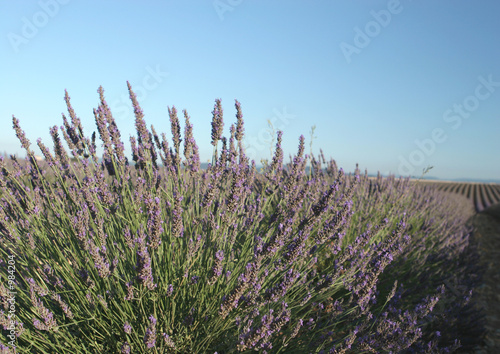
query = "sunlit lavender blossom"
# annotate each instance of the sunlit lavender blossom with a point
(127, 328)
(217, 122)
(290, 245)
(239, 124)
(176, 133)
(168, 341)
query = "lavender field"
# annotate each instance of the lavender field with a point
(107, 254)
(482, 195)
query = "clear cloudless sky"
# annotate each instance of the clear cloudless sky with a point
(395, 86)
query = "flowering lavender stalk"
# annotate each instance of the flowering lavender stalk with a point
(103, 191)
(260, 336)
(239, 121)
(46, 314)
(276, 167)
(297, 169)
(100, 261)
(46, 153)
(193, 248)
(102, 127)
(74, 131)
(279, 291)
(221, 163)
(127, 327)
(239, 134)
(340, 286)
(217, 127)
(170, 290)
(217, 268)
(71, 138)
(168, 341)
(278, 238)
(156, 139)
(190, 147)
(142, 130)
(113, 130)
(246, 280)
(6, 226)
(177, 225)
(21, 135)
(217, 122)
(145, 272)
(66, 309)
(143, 136)
(236, 196)
(155, 228)
(76, 123)
(233, 153)
(130, 292)
(136, 156)
(125, 348)
(150, 336)
(165, 153)
(176, 134)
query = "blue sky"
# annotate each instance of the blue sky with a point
(393, 85)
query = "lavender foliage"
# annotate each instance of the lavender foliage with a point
(165, 256)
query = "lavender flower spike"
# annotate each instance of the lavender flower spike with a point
(145, 271)
(127, 328)
(239, 122)
(217, 122)
(217, 268)
(142, 130)
(150, 337)
(20, 134)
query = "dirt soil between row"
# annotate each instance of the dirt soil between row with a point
(487, 234)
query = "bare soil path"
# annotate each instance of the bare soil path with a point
(487, 234)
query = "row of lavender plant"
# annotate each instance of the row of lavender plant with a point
(159, 255)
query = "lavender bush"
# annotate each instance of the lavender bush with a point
(158, 255)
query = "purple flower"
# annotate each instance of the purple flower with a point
(100, 261)
(150, 337)
(145, 275)
(239, 123)
(43, 312)
(127, 328)
(176, 134)
(217, 268)
(125, 349)
(130, 291)
(140, 125)
(155, 222)
(170, 290)
(246, 280)
(217, 122)
(168, 341)
(20, 134)
(177, 225)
